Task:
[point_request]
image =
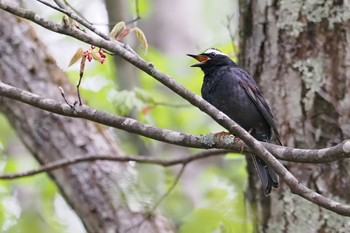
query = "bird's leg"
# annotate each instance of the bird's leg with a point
(238, 140)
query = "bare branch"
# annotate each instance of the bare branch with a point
(325, 155)
(124, 123)
(170, 189)
(75, 11)
(177, 178)
(172, 105)
(338, 152)
(51, 6)
(70, 13)
(137, 17)
(140, 159)
(231, 33)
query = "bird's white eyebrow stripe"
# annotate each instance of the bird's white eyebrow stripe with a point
(212, 50)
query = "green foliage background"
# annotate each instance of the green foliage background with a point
(219, 205)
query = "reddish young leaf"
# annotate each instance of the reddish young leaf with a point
(123, 34)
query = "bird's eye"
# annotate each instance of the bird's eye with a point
(212, 54)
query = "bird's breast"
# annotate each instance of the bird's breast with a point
(227, 95)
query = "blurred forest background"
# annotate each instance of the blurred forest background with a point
(210, 193)
(298, 52)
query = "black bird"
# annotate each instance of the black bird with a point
(233, 91)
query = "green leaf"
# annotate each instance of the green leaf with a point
(76, 57)
(141, 37)
(117, 29)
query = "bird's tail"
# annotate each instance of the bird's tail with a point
(267, 176)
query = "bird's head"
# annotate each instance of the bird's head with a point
(211, 58)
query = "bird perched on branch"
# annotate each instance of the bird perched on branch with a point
(233, 91)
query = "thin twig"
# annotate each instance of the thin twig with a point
(139, 159)
(76, 11)
(176, 181)
(65, 99)
(232, 36)
(171, 105)
(51, 6)
(138, 17)
(151, 212)
(70, 13)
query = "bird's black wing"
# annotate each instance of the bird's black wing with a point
(253, 92)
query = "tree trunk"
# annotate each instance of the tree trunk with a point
(99, 192)
(298, 51)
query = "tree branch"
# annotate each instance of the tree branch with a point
(52, 6)
(139, 159)
(70, 13)
(256, 146)
(338, 152)
(124, 123)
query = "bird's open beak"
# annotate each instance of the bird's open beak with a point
(200, 57)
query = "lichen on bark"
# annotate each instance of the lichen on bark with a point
(294, 15)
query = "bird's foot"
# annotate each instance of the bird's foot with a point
(237, 140)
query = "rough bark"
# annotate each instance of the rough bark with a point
(99, 192)
(298, 51)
